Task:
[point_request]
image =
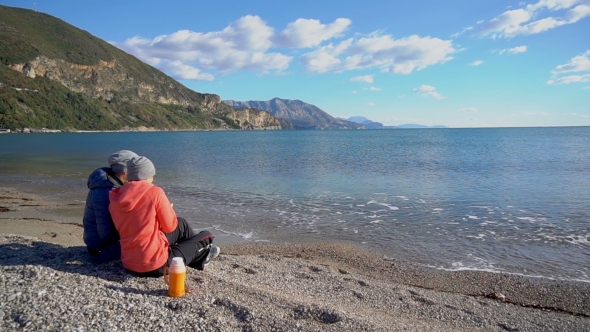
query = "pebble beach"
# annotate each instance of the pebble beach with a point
(49, 283)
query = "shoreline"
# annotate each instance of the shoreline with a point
(267, 286)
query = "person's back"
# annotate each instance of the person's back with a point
(100, 234)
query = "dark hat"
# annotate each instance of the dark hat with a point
(140, 168)
(118, 160)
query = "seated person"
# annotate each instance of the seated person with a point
(151, 233)
(100, 235)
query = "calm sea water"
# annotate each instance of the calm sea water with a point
(513, 200)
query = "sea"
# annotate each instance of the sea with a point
(509, 200)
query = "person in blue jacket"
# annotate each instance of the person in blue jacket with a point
(100, 235)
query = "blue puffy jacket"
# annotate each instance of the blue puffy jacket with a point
(100, 235)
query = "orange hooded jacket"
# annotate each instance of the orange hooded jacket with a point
(142, 214)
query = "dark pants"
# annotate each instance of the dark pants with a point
(193, 248)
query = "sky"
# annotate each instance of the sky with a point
(458, 63)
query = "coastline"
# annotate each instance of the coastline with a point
(260, 287)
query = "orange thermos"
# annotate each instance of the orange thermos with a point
(174, 276)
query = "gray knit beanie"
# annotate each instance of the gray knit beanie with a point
(118, 160)
(140, 168)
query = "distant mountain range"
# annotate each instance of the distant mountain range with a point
(307, 116)
(301, 115)
(367, 123)
(377, 125)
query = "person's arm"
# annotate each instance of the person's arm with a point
(104, 222)
(164, 212)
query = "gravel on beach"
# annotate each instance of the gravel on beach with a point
(48, 282)
(46, 286)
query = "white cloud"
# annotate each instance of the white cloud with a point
(354, 91)
(480, 21)
(364, 79)
(552, 4)
(506, 23)
(576, 64)
(570, 79)
(305, 33)
(468, 110)
(586, 88)
(243, 45)
(428, 91)
(372, 89)
(371, 104)
(457, 34)
(580, 63)
(433, 94)
(476, 63)
(514, 50)
(528, 21)
(581, 115)
(399, 56)
(185, 72)
(424, 88)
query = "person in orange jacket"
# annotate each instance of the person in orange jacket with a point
(151, 233)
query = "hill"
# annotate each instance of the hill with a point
(301, 115)
(54, 75)
(365, 122)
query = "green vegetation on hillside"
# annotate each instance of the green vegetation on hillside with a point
(25, 34)
(48, 104)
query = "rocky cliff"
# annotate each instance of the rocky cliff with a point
(302, 115)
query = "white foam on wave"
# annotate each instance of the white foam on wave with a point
(391, 207)
(375, 221)
(478, 237)
(530, 219)
(218, 228)
(246, 235)
(458, 266)
(472, 217)
(572, 238)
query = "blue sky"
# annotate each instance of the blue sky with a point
(459, 63)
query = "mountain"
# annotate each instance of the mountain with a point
(300, 114)
(365, 122)
(377, 125)
(54, 75)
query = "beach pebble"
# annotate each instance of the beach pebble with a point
(283, 295)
